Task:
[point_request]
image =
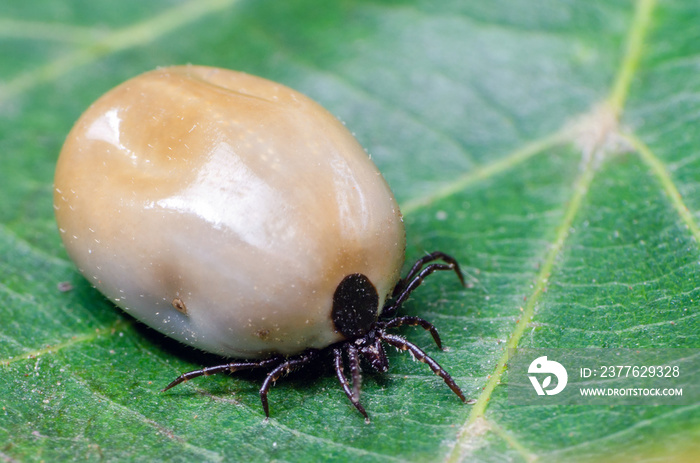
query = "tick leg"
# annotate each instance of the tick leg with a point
(285, 367)
(230, 367)
(433, 256)
(415, 321)
(354, 359)
(403, 344)
(338, 364)
(407, 289)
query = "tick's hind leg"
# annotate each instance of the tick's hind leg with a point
(286, 366)
(281, 365)
(227, 367)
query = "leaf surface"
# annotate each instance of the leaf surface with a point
(550, 146)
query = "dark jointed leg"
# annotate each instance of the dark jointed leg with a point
(338, 364)
(409, 287)
(403, 344)
(354, 361)
(227, 367)
(415, 321)
(283, 368)
(432, 257)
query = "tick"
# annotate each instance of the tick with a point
(239, 217)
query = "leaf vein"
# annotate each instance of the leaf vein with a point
(664, 177)
(115, 41)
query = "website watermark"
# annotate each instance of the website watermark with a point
(603, 376)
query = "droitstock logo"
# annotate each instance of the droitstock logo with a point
(603, 376)
(549, 367)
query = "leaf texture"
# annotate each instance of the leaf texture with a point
(552, 147)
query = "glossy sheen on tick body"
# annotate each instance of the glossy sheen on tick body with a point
(240, 197)
(238, 216)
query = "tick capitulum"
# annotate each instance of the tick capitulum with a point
(355, 316)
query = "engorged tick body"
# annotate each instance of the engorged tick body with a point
(239, 217)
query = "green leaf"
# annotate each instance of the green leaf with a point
(552, 147)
